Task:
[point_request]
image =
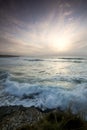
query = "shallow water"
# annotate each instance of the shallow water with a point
(44, 82)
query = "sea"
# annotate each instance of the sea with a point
(46, 83)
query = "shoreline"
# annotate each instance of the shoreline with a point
(12, 117)
(18, 117)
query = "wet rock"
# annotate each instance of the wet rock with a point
(13, 117)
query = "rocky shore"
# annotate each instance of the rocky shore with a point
(23, 118)
(13, 117)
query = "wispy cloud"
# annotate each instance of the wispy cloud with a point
(59, 29)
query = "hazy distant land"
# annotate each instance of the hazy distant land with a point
(2, 56)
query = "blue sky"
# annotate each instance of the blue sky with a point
(43, 27)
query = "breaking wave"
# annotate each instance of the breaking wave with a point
(47, 85)
(44, 97)
(74, 60)
(33, 59)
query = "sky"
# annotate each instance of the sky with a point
(43, 27)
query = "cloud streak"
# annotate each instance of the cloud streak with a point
(59, 32)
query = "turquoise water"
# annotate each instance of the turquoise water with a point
(44, 82)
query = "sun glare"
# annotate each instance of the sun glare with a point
(60, 44)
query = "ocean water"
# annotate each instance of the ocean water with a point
(46, 83)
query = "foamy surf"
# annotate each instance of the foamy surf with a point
(45, 97)
(44, 84)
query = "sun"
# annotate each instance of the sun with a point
(61, 44)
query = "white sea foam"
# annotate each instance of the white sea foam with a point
(46, 97)
(44, 84)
